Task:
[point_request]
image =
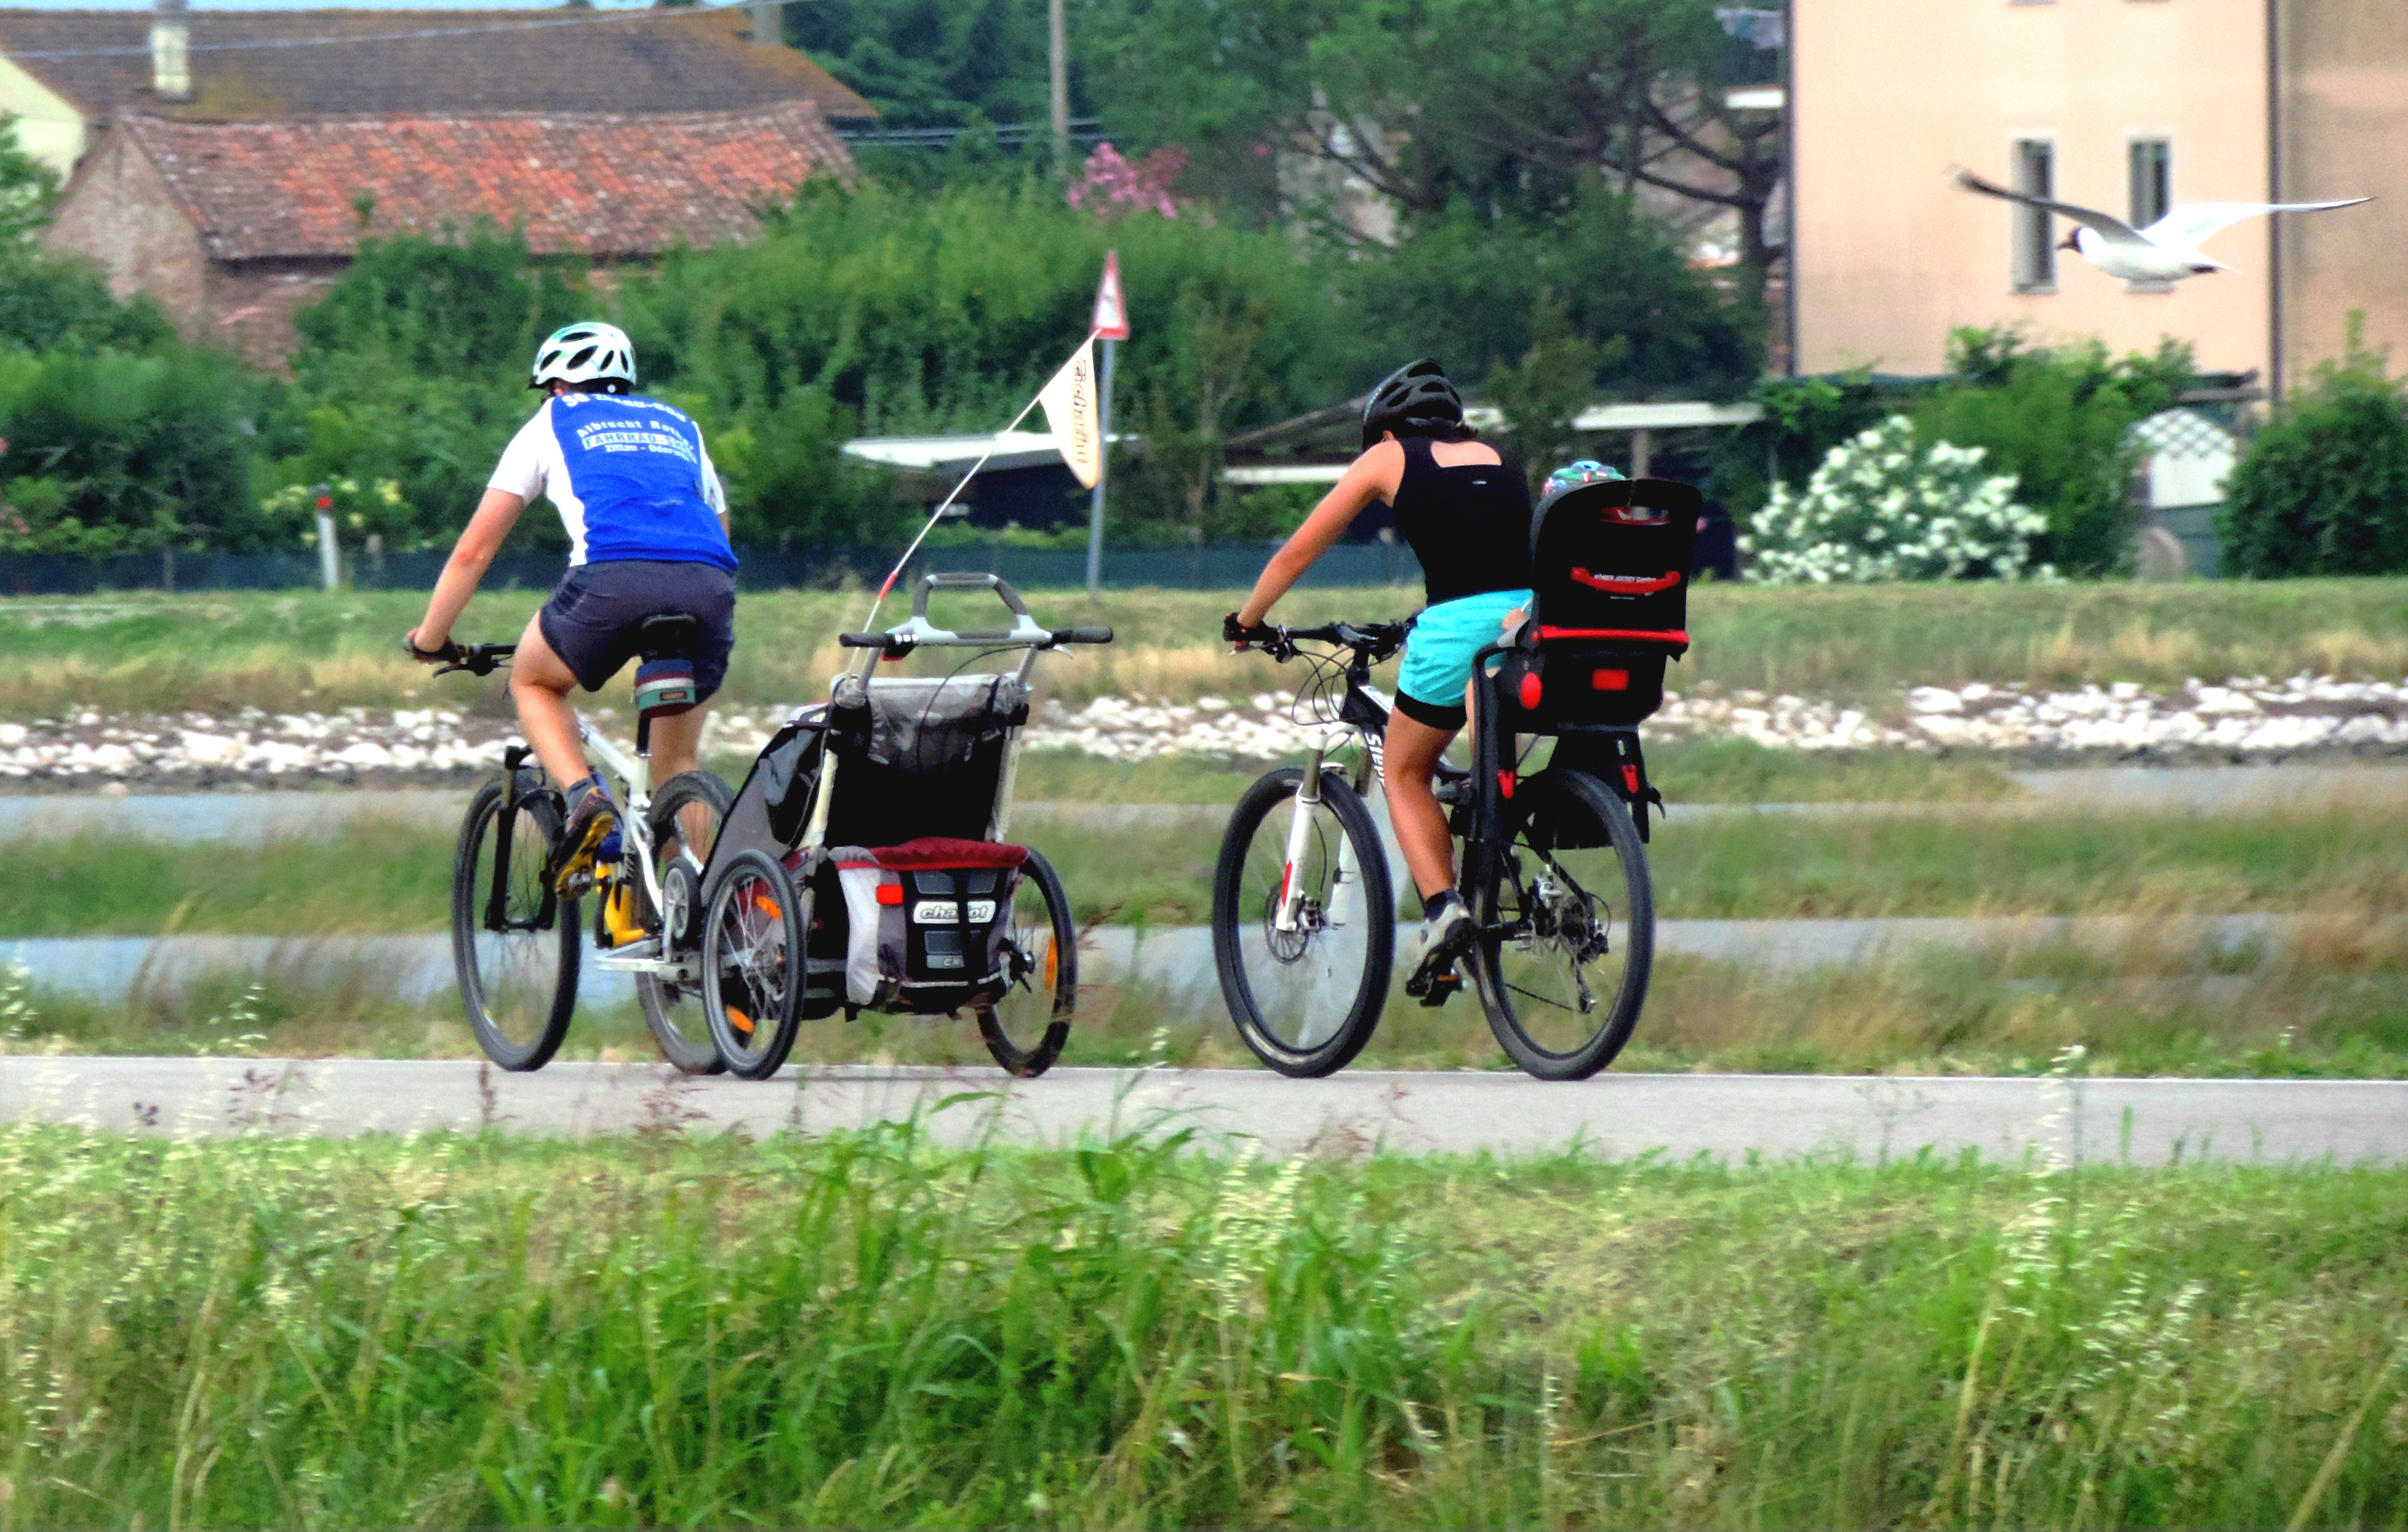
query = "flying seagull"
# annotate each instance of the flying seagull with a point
(2165, 251)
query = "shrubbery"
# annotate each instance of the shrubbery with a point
(118, 437)
(2324, 489)
(1882, 508)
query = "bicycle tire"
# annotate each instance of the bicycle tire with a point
(519, 1014)
(688, 1047)
(1243, 894)
(1551, 818)
(1057, 969)
(753, 962)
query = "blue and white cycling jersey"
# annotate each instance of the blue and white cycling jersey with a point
(628, 475)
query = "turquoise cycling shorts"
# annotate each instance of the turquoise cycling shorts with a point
(1438, 653)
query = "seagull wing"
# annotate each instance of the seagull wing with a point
(2110, 227)
(2188, 228)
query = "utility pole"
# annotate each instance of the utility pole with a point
(1057, 36)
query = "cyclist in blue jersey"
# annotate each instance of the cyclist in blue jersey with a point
(647, 520)
(1465, 513)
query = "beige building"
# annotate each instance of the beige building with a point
(2124, 106)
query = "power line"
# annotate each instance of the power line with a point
(1007, 135)
(599, 19)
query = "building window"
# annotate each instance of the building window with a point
(2153, 180)
(2035, 230)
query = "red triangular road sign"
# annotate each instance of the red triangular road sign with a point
(1111, 314)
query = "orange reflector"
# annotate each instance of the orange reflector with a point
(1610, 681)
(740, 1022)
(890, 893)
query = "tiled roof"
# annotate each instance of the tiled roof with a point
(591, 184)
(701, 59)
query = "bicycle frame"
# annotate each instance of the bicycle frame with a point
(1363, 714)
(634, 772)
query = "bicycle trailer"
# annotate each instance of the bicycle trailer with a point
(886, 809)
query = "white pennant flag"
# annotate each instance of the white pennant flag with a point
(1070, 402)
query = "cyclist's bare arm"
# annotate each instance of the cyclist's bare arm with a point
(470, 557)
(1374, 476)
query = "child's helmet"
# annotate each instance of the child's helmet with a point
(1587, 471)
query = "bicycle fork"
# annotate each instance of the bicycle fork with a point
(1299, 843)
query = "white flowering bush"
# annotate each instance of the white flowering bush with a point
(1879, 508)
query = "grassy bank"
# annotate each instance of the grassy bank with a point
(375, 877)
(289, 651)
(2334, 1006)
(861, 1330)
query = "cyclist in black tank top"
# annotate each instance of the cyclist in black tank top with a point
(1465, 512)
(1468, 524)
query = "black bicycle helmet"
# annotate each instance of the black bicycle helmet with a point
(1415, 400)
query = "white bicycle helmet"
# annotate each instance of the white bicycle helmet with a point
(585, 353)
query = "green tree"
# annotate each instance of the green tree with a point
(111, 451)
(1510, 104)
(1479, 293)
(2059, 420)
(926, 63)
(413, 368)
(2324, 487)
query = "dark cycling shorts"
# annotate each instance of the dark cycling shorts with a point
(591, 620)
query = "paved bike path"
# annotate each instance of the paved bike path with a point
(2138, 1121)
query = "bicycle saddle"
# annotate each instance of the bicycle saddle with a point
(671, 634)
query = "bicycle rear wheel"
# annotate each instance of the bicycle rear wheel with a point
(685, 819)
(515, 944)
(1566, 928)
(1305, 999)
(1025, 1027)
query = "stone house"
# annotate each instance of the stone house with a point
(230, 162)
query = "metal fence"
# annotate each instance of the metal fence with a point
(1199, 567)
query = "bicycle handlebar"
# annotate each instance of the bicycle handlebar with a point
(1373, 642)
(477, 659)
(900, 643)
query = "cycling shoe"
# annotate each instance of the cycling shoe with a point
(592, 821)
(1434, 946)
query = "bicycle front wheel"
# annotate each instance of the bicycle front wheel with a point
(1566, 928)
(515, 944)
(685, 819)
(1304, 923)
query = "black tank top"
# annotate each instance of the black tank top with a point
(1469, 525)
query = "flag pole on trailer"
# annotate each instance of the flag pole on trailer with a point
(1111, 326)
(1070, 402)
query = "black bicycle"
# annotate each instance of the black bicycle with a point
(1553, 861)
(1304, 912)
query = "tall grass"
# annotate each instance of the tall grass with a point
(286, 652)
(864, 1330)
(375, 877)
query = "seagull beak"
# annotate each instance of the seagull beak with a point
(2071, 242)
(2200, 268)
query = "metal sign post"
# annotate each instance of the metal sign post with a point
(330, 563)
(1112, 327)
